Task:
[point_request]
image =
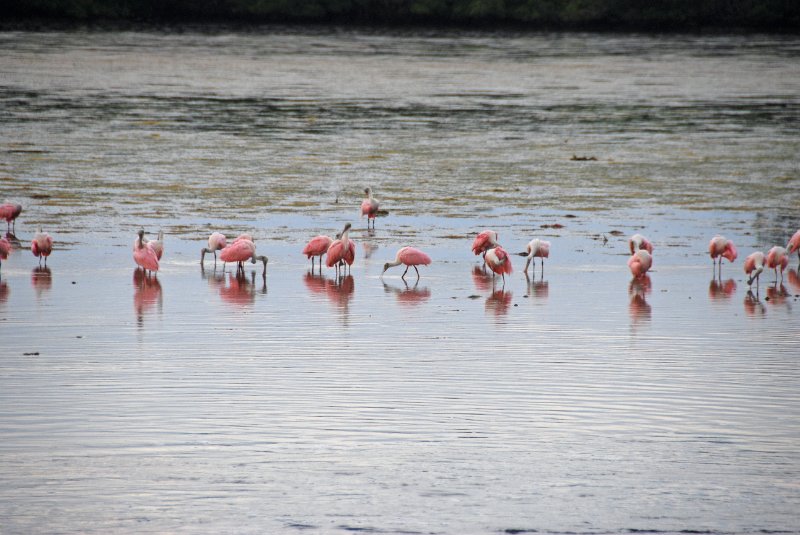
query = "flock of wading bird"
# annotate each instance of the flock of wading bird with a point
(339, 252)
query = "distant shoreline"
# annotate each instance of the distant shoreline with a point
(664, 16)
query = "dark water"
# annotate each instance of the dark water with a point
(577, 401)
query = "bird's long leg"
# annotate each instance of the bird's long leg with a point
(415, 269)
(403, 276)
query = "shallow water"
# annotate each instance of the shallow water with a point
(579, 401)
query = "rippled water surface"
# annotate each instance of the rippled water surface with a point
(573, 401)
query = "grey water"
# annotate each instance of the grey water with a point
(572, 400)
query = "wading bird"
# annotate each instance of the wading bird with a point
(143, 253)
(484, 241)
(777, 257)
(216, 242)
(317, 246)
(369, 207)
(241, 250)
(640, 263)
(158, 245)
(638, 242)
(411, 257)
(10, 212)
(753, 266)
(498, 261)
(721, 247)
(342, 249)
(42, 246)
(794, 244)
(536, 248)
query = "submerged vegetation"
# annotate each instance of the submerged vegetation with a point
(572, 14)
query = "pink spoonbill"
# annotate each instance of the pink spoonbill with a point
(240, 251)
(753, 265)
(536, 248)
(342, 249)
(777, 257)
(10, 212)
(158, 245)
(411, 257)
(369, 207)
(794, 245)
(499, 261)
(317, 246)
(638, 242)
(484, 241)
(640, 263)
(143, 253)
(42, 246)
(721, 247)
(216, 242)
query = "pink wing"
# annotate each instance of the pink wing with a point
(350, 254)
(413, 257)
(483, 241)
(335, 253)
(794, 243)
(730, 251)
(240, 250)
(146, 258)
(750, 262)
(216, 241)
(317, 246)
(505, 266)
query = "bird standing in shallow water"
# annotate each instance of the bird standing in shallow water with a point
(143, 254)
(317, 246)
(42, 246)
(369, 207)
(794, 244)
(753, 266)
(241, 250)
(216, 242)
(537, 248)
(10, 212)
(411, 257)
(721, 247)
(640, 263)
(777, 257)
(342, 249)
(498, 261)
(637, 242)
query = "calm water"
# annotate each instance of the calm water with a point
(575, 401)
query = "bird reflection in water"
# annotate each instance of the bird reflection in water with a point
(638, 308)
(719, 289)
(777, 295)
(538, 290)
(41, 280)
(753, 305)
(793, 277)
(413, 295)
(4, 290)
(499, 302)
(369, 248)
(241, 288)
(481, 280)
(146, 294)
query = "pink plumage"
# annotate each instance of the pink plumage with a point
(640, 263)
(498, 261)
(484, 241)
(240, 250)
(144, 255)
(10, 212)
(777, 257)
(317, 246)
(754, 265)
(413, 257)
(5, 248)
(637, 242)
(342, 249)
(794, 244)
(720, 246)
(369, 206)
(42, 245)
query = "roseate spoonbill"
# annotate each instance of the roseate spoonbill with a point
(411, 257)
(753, 266)
(317, 246)
(794, 244)
(158, 244)
(777, 257)
(637, 242)
(42, 245)
(721, 247)
(241, 250)
(640, 263)
(484, 241)
(5, 249)
(10, 212)
(537, 248)
(342, 248)
(499, 261)
(216, 242)
(143, 253)
(369, 207)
